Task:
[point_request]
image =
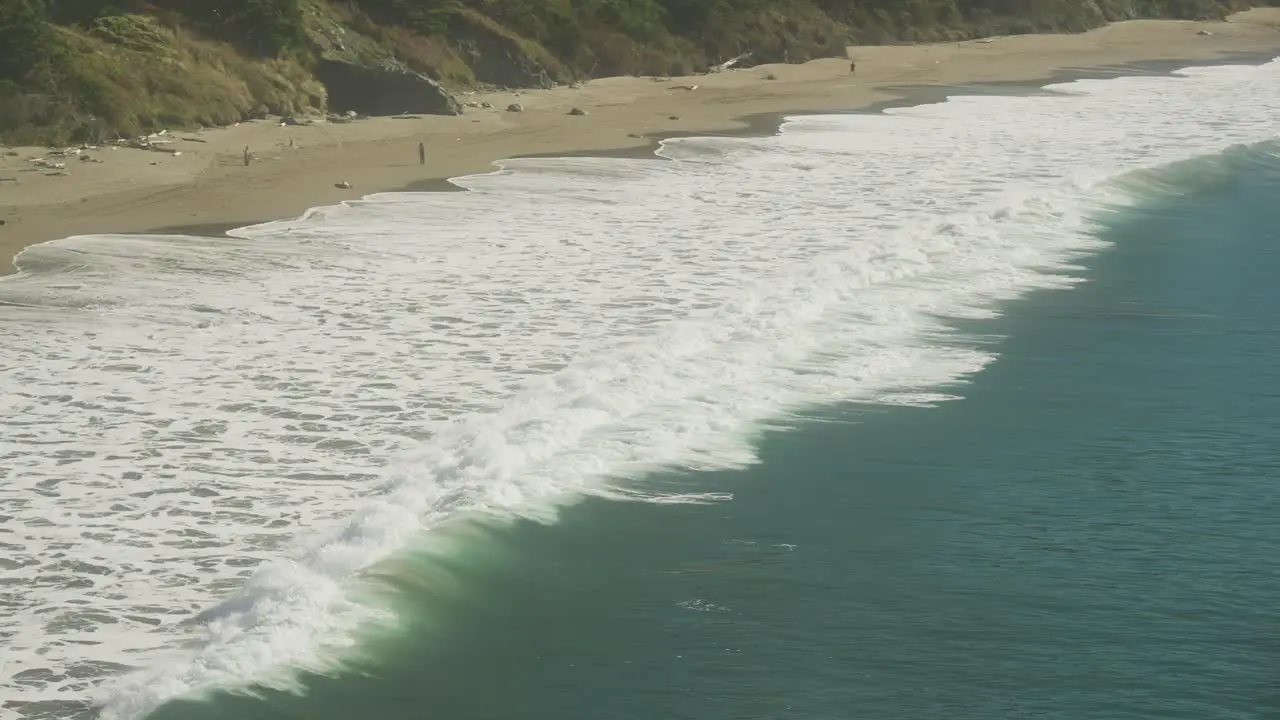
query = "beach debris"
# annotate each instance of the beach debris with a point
(576, 85)
(515, 108)
(3, 222)
(486, 105)
(1204, 32)
(345, 117)
(195, 139)
(773, 76)
(673, 117)
(690, 88)
(155, 141)
(344, 185)
(577, 111)
(47, 163)
(728, 63)
(9, 179)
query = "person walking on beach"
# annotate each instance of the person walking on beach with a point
(246, 156)
(422, 154)
(853, 66)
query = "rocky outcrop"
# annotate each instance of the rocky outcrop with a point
(500, 58)
(364, 76)
(385, 88)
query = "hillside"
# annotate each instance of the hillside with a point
(73, 70)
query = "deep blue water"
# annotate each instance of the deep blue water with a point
(1092, 532)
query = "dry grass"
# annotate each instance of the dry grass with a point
(430, 55)
(133, 76)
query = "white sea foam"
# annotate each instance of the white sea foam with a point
(235, 429)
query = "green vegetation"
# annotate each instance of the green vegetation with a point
(88, 69)
(69, 74)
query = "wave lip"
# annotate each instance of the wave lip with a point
(565, 327)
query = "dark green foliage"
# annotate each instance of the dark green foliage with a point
(263, 27)
(27, 43)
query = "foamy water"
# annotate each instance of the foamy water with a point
(205, 442)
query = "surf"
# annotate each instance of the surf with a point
(324, 392)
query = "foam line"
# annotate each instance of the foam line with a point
(234, 431)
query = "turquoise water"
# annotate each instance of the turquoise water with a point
(1091, 532)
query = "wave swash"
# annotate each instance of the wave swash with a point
(207, 442)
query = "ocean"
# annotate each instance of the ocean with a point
(964, 410)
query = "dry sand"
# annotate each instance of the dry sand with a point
(296, 167)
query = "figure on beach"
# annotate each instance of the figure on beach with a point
(422, 154)
(246, 156)
(853, 66)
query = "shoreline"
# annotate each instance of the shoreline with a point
(768, 124)
(206, 190)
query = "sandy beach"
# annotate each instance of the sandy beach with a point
(297, 167)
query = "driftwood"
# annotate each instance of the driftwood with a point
(157, 142)
(728, 63)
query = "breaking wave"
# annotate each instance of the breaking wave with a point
(209, 442)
